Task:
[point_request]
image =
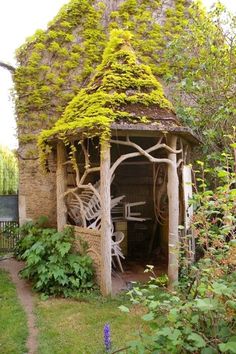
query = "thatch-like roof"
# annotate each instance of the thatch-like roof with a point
(122, 91)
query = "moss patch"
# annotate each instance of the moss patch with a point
(55, 64)
(119, 81)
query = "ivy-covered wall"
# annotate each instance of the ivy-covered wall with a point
(55, 64)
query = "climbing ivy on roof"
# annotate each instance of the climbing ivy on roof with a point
(119, 82)
(55, 64)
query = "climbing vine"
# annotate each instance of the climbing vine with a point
(119, 83)
(55, 64)
(182, 44)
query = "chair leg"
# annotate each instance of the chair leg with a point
(120, 265)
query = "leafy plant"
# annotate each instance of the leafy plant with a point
(214, 219)
(200, 316)
(29, 234)
(50, 263)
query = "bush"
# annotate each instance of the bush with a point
(29, 233)
(50, 263)
(214, 220)
(200, 317)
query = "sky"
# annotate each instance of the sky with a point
(19, 20)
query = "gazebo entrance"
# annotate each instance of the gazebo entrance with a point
(128, 186)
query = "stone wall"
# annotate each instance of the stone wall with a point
(93, 239)
(37, 191)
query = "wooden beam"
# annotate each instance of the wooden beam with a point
(61, 178)
(173, 199)
(106, 284)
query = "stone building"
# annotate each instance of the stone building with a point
(77, 94)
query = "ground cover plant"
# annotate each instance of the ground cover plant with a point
(51, 264)
(13, 326)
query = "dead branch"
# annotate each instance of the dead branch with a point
(7, 67)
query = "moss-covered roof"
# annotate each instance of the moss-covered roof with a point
(53, 65)
(120, 91)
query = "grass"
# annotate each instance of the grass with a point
(73, 327)
(13, 325)
(66, 326)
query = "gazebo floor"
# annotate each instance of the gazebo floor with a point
(133, 272)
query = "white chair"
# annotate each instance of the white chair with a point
(115, 248)
(130, 215)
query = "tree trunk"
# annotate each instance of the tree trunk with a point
(173, 199)
(61, 177)
(106, 284)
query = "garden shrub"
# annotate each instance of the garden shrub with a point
(200, 316)
(214, 220)
(29, 234)
(51, 264)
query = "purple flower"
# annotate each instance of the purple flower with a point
(107, 337)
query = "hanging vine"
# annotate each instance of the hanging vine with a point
(8, 172)
(55, 64)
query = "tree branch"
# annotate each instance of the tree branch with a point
(7, 67)
(140, 152)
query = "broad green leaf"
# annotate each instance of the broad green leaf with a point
(231, 304)
(230, 346)
(148, 317)
(208, 351)
(124, 308)
(219, 288)
(199, 342)
(205, 304)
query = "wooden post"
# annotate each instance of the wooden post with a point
(61, 177)
(173, 199)
(106, 284)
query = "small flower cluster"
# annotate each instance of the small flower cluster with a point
(107, 337)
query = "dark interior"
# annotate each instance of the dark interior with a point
(146, 242)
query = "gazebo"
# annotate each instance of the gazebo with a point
(122, 154)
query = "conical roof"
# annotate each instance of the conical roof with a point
(122, 90)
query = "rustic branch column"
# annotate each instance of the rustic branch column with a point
(106, 285)
(173, 199)
(61, 177)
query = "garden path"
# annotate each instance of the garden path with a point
(25, 295)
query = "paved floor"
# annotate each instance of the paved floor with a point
(133, 272)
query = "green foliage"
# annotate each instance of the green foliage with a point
(8, 172)
(50, 90)
(214, 217)
(42, 86)
(188, 49)
(199, 318)
(202, 64)
(119, 81)
(50, 263)
(29, 234)
(200, 315)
